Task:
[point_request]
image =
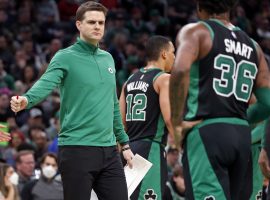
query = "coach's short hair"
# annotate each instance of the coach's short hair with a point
(89, 6)
(216, 6)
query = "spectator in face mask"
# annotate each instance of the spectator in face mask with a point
(49, 185)
(8, 182)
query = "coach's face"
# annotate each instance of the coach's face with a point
(92, 26)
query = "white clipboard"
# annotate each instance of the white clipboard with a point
(135, 175)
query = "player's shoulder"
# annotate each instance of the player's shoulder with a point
(191, 30)
(164, 75)
(200, 25)
(161, 82)
(162, 78)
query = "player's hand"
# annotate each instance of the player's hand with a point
(181, 131)
(264, 163)
(3, 135)
(18, 103)
(128, 155)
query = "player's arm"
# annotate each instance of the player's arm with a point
(161, 86)
(187, 53)
(265, 152)
(194, 42)
(122, 104)
(265, 141)
(261, 109)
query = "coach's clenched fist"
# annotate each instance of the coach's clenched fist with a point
(18, 103)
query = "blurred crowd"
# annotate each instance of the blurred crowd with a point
(32, 31)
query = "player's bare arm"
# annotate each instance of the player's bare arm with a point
(264, 163)
(186, 54)
(191, 42)
(264, 158)
(122, 106)
(261, 110)
(161, 86)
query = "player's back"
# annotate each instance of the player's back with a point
(221, 83)
(143, 115)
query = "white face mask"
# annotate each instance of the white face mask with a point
(14, 178)
(48, 171)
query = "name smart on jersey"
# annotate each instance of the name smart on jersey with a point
(137, 85)
(238, 48)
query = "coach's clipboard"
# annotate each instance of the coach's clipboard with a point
(135, 175)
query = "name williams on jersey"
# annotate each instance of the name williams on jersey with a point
(137, 85)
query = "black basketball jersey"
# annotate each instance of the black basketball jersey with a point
(143, 115)
(222, 82)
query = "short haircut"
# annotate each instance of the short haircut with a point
(89, 6)
(23, 153)
(154, 46)
(216, 6)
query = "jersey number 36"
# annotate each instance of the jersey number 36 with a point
(236, 78)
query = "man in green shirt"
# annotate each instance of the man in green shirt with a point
(89, 115)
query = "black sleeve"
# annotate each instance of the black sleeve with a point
(26, 193)
(167, 194)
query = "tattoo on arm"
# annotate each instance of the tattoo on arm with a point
(178, 88)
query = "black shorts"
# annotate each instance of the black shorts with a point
(216, 160)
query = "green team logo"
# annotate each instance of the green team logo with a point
(236, 78)
(150, 195)
(110, 70)
(259, 195)
(136, 105)
(211, 197)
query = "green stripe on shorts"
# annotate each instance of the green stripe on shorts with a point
(205, 183)
(152, 180)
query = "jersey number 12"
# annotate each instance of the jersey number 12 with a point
(135, 110)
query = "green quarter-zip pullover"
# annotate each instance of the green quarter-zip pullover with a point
(89, 111)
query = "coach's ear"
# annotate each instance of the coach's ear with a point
(78, 25)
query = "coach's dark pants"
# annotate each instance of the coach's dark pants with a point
(83, 168)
